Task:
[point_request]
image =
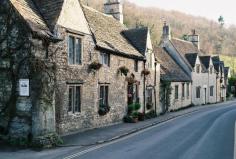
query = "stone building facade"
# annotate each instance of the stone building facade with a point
(195, 64)
(175, 91)
(82, 83)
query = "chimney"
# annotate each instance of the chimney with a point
(114, 8)
(194, 38)
(166, 34)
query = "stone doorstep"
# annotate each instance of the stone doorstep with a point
(160, 119)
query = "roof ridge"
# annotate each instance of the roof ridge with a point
(182, 40)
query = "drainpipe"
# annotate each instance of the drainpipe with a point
(216, 86)
(155, 84)
(144, 88)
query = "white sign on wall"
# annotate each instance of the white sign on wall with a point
(24, 87)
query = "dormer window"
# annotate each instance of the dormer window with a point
(211, 70)
(105, 59)
(198, 68)
(74, 50)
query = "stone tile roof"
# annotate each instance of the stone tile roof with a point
(192, 57)
(138, 37)
(108, 33)
(28, 10)
(205, 61)
(170, 70)
(50, 9)
(183, 46)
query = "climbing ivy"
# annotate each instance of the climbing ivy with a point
(165, 95)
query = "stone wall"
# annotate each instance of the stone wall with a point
(181, 102)
(90, 82)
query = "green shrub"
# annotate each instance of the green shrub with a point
(137, 106)
(135, 115)
(131, 108)
(151, 114)
(128, 119)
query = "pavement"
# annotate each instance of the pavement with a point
(114, 132)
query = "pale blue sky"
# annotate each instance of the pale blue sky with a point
(210, 9)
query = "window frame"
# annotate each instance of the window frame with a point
(183, 90)
(75, 38)
(188, 90)
(211, 91)
(102, 59)
(136, 62)
(198, 92)
(72, 108)
(104, 97)
(176, 92)
(198, 69)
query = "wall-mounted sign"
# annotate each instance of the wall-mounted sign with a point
(24, 87)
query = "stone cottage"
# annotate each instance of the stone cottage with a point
(187, 55)
(220, 79)
(175, 89)
(84, 68)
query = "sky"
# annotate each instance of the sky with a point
(210, 9)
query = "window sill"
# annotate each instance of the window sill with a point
(74, 114)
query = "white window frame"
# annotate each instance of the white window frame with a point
(75, 37)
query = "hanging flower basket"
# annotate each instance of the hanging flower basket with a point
(123, 70)
(145, 72)
(95, 66)
(130, 80)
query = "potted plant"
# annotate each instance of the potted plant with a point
(149, 106)
(135, 117)
(95, 66)
(103, 110)
(123, 70)
(141, 116)
(130, 80)
(145, 72)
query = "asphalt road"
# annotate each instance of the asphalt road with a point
(207, 134)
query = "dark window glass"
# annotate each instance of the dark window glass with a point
(198, 92)
(74, 99)
(211, 90)
(183, 90)
(176, 92)
(188, 92)
(75, 50)
(136, 66)
(104, 90)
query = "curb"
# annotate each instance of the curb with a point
(128, 133)
(140, 128)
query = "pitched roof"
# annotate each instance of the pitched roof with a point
(50, 10)
(205, 60)
(138, 37)
(226, 71)
(183, 46)
(216, 62)
(108, 33)
(192, 57)
(28, 10)
(170, 70)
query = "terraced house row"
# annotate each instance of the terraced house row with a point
(66, 67)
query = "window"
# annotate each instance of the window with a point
(188, 92)
(105, 59)
(211, 90)
(149, 96)
(198, 68)
(74, 99)
(183, 90)
(198, 92)
(176, 92)
(104, 95)
(75, 50)
(136, 65)
(211, 70)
